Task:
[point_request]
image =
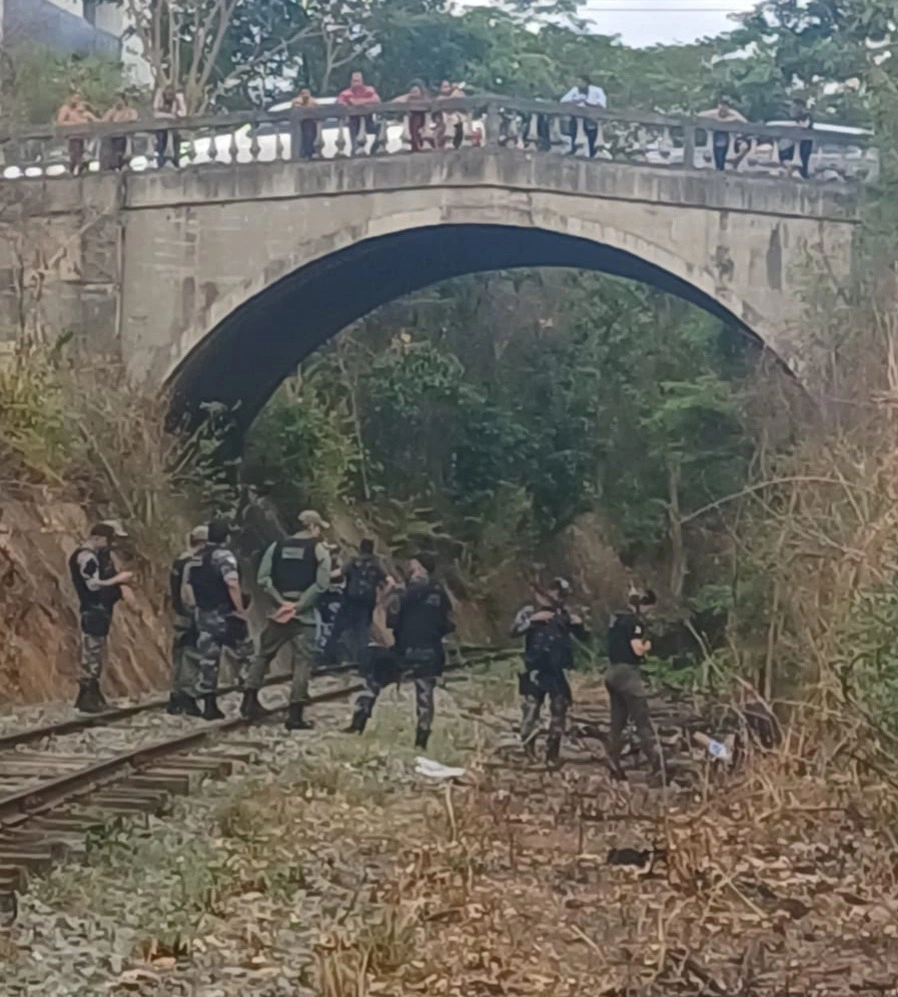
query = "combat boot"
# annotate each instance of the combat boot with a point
(295, 719)
(210, 707)
(357, 724)
(99, 697)
(174, 706)
(421, 738)
(553, 752)
(190, 706)
(82, 696)
(251, 708)
(90, 701)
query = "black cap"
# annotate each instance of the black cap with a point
(219, 531)
(427, 561)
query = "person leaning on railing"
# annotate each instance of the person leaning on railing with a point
(114, 148)
(169, 103)
(360, 94)
(449, 126)
(308, 129)
(76, 112)
(585, 94)
(417, 120)
(721, 139)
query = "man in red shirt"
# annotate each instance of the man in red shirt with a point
(358, 94)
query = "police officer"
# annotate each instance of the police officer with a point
(98, 585)
(548, 629)
(419, 619)
(213, 586)
(294, 572)
(364, 576)
(628, 646)
(183, 686)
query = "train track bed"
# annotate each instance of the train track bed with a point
(55, 790)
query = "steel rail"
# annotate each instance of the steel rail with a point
(18, 807)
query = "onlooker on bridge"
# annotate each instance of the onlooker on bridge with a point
(803, 119)
(76, 112)
(585, 94)
(721, 139)
(417, 120)
(449, 126)
(114, 149)
(359, 94)
(308, 129)
(169, 103)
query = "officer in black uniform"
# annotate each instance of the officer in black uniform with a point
(628, 645)
(364, 575)
(98, 585)
(420, 619)
(549, 630)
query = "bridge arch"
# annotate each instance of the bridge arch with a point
(253, 267)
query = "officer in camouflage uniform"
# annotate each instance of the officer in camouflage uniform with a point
(420, 619)
(184, 653)
(294, 572)
(213, 586)
(99, 587)
(548, 629)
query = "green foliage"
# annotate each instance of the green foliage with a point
(301, 451)
(35, 82)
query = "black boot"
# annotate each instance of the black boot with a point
(190, 706)
(358, 723)
(175, 707)
(210, 707)
(295, 719)
(553, 752)
(421, 738)
(82, 696)
(251, 708)
(90, 701)
(99, 698)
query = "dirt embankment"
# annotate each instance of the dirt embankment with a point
(39, 649)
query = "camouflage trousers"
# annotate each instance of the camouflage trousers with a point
(424, 696)
(93, 656)
(184, 657)
(216, 631)
(629, 701)
(301, 639)
(535, 689)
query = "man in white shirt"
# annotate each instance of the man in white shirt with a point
(585, 94)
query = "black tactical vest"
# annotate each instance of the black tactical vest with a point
(209, 588)
(294, 566)
(86, 598)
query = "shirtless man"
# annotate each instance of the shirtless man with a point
(75, 112)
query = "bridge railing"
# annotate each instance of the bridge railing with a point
(335, 131)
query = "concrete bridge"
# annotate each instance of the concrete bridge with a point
(217, 280)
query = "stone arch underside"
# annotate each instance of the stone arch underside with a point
(269, 326)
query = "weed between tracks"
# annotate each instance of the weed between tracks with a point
(343, 876)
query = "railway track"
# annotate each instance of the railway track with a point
(50, 798)
(81, 770)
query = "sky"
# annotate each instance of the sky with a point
(650, 22)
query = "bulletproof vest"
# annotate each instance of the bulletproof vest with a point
(175, 580)
(620, 633)
(548, 644)
(363, 578)
(209, 588)
(111, 593)
(422, 617)
(294, 567)
(86, 598)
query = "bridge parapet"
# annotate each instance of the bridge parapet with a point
(332, 131)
